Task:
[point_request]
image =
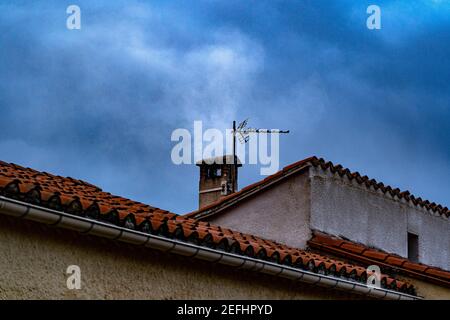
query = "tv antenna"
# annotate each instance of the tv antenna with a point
(243, 134)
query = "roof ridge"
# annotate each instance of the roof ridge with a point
(406, 194)
(37, 173)
(335, 169)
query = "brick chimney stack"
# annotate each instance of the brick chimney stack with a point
(218, 178)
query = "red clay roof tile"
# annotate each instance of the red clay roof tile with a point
(415, 266)
(438, 273)
(395, 260)
(352, 247)
(375, 254)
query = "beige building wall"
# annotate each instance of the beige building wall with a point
(346, 208)
(428, 290)
(319, 200)
(34, 258)
(280, 213)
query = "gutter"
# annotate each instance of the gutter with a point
(84, 225)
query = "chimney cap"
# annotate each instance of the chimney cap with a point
(227, 159)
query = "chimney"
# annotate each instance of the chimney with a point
(218, 178)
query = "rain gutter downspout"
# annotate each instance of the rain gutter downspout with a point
(84, 225)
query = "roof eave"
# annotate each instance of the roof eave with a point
(28, 211)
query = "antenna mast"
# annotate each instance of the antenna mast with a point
(234, 141)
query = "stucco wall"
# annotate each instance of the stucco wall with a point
(280, 213)
(34, 259)
(316, 200)
(428, 290)
(342, 207)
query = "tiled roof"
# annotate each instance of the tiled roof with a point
(71, 195)
(387, 261)
(81, 198)
(325, 165)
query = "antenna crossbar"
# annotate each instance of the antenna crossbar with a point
(243, 133)
(250, 130)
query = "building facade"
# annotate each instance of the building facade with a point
(126, 249)
(315, 196)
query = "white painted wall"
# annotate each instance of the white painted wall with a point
(280, 213)
(345, 208)
(317, 200)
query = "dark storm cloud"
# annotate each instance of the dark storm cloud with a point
(100, 103)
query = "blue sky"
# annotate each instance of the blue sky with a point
(100, 103)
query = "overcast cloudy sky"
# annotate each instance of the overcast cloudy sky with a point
(100, 103)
